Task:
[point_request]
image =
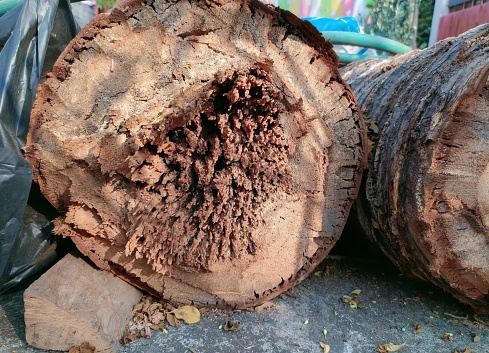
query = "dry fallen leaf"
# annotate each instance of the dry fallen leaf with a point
(189, 314)
(352, 300)
(356, 292)
(417, 329)
(448, 337)
(325, 347)
(475, 337)
(264, 306)
(85, 347)
(231, 325)
(390, 347)
(172, 320)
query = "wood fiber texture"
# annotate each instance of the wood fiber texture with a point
(426, 195)
(74, 303)
(207, 152)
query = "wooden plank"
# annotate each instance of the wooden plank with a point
(74, 303)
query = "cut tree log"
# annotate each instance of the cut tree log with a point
(206, 151)
(73, 303)
(426, 196)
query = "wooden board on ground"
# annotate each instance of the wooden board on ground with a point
(73, 303)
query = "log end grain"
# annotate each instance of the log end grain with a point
(210, 157)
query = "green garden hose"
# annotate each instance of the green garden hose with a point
(364, 41)
(349, 58)
(7, 5)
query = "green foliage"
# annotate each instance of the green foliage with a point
(406, 21)
(424, 22)
(105, 5)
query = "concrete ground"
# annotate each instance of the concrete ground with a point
(391, 306)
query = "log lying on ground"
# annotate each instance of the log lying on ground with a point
(426, 197)
(205, 151)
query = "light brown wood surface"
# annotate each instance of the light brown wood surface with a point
(73, 303)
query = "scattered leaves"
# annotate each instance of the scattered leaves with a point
(475, 337)
(149, 315)
(264, 306)
(189, 314)
(324, 346)
(231, 325)
(448, 337)
(417, 329)
(85, 347)
(305, 322)
(389, 347)
(325, 332)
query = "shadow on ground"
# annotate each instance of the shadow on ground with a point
(390, 307)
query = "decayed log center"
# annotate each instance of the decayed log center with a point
(207, 152)
(207, 172)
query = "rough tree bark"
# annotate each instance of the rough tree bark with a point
(426, 197)
(205, 151)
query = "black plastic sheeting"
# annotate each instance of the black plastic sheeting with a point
(32, 36)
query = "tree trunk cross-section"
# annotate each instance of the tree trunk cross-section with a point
(426, 200)
(207, 152)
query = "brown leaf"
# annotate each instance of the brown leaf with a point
(417, 329)
(231, 325)
(172, 320)
(189, 314)
(85, 347)
(264, 306)
(389, 347)
(324, 346)
(356, 292)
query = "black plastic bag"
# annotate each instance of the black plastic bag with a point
(32, 36)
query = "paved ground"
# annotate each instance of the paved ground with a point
(391, 306)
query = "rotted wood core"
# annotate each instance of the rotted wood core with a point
(215, 166)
